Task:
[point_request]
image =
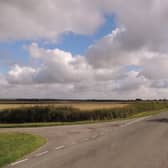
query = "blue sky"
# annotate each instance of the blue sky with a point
(14, 52)
(78, 44)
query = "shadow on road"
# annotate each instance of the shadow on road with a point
(161, 120)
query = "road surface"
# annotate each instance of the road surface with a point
(137, 143)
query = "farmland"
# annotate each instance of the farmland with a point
(78, 105)
(14, 115)
(80, 112)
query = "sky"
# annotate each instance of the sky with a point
(84, 49)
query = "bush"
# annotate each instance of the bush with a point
(70, 114)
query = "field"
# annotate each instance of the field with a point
(15, 145)
(79, 105)
(75, 112)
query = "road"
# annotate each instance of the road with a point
(137, 143)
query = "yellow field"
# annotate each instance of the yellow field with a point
(93, 106)
(81, 106)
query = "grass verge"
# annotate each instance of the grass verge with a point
(148, 113)
(50, 124)
(14, 146)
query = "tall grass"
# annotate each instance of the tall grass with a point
(70, 114)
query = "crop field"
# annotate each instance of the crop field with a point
(28, 115)
(79, 105)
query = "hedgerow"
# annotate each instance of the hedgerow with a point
(51, 113)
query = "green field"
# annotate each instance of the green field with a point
(13, 146)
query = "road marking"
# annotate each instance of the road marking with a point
(21, 161)
(60, 147)
(42, 153)
(132, 122)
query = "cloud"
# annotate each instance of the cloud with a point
(58, 66)
(155, 68)
(47, 19)
(107, 70)
(131, 82)
(109, 52)
(145, 22)
(55, 66)
(3, 81)
(23, 75)
(160, 84)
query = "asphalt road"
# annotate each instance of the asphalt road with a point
(138, 143)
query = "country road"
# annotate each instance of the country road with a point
(137, 143)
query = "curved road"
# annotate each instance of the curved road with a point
(137, 143)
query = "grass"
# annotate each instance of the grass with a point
(50, 124)
(80, 105)
(14, 146)
(148, 113)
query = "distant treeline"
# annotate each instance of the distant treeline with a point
(51, 101)
(70, 114)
